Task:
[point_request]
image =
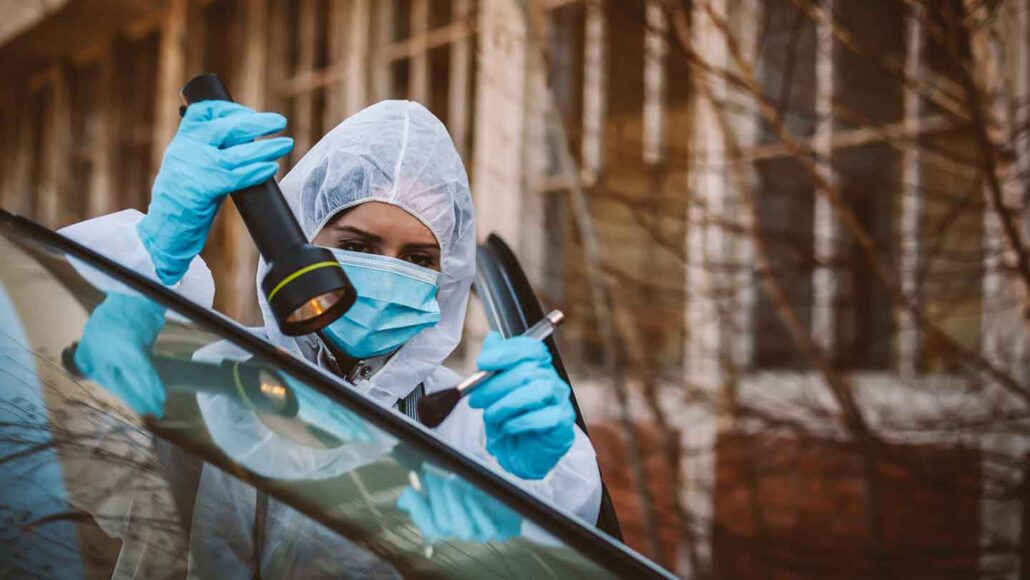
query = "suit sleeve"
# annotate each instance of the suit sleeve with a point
(114, 236)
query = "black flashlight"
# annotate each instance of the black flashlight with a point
(256, 385)
(305, 286)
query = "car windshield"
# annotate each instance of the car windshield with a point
(252, 464)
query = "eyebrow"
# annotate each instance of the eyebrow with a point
(425, 246)
(367, 235)
(377, 239)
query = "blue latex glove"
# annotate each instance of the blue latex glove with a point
(213, 154)
(527, 412)
(319, 411)
(115, 351)
(449, 508)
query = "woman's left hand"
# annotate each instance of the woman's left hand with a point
(115, 351)
(529, 419)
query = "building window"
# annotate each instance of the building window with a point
(427, 53)
(619, 86)
(82, 133)
(314, 74)
(905, 172)
(786, 196)
(950, 270)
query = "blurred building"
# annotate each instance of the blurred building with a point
(598, 150)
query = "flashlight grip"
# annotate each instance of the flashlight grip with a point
(263, 208)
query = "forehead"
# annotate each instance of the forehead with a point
(388, 221)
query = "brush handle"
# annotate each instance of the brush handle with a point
(474, 380)
(540, 331)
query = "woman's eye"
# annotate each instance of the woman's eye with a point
(421, 260)
(355, 246)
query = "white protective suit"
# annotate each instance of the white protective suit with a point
(395, 152)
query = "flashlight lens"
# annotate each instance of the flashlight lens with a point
(315, 307)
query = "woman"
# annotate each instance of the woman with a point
(387, 192)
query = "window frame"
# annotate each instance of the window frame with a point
(457, 35)
(825, 141)
(616, 557)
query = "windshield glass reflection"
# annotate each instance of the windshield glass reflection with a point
(160, 449)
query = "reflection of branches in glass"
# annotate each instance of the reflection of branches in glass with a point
(82, 483)
(848, 205)
(91, 548)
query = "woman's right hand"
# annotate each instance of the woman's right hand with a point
(528, 416)
(214, 153)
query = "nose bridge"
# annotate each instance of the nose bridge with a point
(391, 248)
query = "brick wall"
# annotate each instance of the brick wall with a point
(613, 456)
(789, 508)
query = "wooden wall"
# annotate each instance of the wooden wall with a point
(84, 122)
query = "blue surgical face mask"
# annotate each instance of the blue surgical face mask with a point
(396, 299)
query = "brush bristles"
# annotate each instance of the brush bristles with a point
(434, 408)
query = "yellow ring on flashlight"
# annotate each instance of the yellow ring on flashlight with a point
(297, 274)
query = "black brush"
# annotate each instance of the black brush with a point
(434, 408)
